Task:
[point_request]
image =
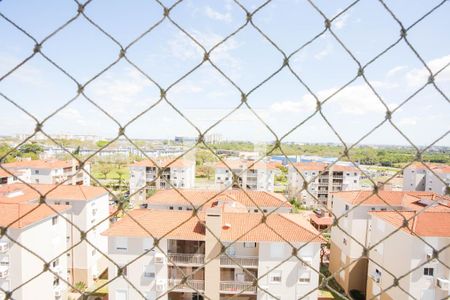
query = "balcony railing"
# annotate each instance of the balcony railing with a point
(4, 272)
(4, 247)
(175, 283)
(231, 287)
(187, 259)
(245, 261)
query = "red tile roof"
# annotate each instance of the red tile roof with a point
(199, 197)
(21, 193)
(184, 226)
(29, 214)
(319, 166)
(40, 164)
(164, 162)
(426, 224)
(237, 164)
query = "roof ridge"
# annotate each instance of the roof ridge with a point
(299, 225)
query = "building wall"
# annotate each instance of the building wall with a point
(47, 241)
(437, 184)
(413, 179)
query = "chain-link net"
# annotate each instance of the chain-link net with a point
(255, 280)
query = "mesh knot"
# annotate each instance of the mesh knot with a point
(327, 23)
(162, 93)
(122, 53)
(360, 72)
(46, 267)
(80, 8)
(285, 62)
(388, 115)
(263, 219)
(37, 48)
(2, 231)
(166, 12)
(294, 251)
(82, 235)
(42, 199)
(419, 156)
(243, 97)
(155, 242)
(318, 105)
(395, 282)
(430, 79)
(121, 131)
(80, 89)
(403, 33)
(205, 56)
(201, 138)
(38, 127)
(248, 17)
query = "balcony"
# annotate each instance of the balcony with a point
(236, 287)
(186, 259)
(189, 286)
(244, 261)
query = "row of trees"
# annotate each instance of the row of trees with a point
(29, 150)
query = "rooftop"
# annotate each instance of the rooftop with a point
(165, 162)
(39, 164)
(22, 193)
(241, 164)
(184, 225)
(320, 166)
(426, 224)
(210, 198)
(21, 215)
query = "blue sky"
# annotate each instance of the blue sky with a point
(166, 54)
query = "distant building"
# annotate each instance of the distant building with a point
(41, 231)
(407, 249)
(259, 176)
(355, 225)
(144, 176)
(14, 175)
(418, 177)
(52, 171)
(87, 208)
(186, 249)
(322, 179)
(248, 201)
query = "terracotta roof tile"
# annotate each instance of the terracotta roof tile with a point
(199, 197)
(243, 227)
(236, 164)
(427, 223)
(39, 164)
(320, 166)
(164, 162)
(30, 213)
(21, 193)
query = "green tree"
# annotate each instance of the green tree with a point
(101, 143)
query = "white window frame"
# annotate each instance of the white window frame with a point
(275, 274)
(121, 243)
(249, 244)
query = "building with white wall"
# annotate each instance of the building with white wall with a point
(249, 174)
(347, 242)
(42, 231)
(419, 177)
(144, 176)
(177, 268)
(322, 179)
(189, 199)
(88, 212)
(429, 279)
(13, 176)
(52, 171)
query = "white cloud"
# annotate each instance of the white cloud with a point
(395, 70)
(215, 15)
(325, 52)
(341, 21)
(306, 104)
(407, 121)
(419, 76)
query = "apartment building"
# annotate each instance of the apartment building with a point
(40, 230)
(322, 179)
(188, 262)
(180, 173)
(428, 279)
(88, 211)
(251, 175)
(418, 177)
(13, 176)
(248, 201)
(52, 171)
(347, 242)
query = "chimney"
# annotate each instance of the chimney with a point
(213, 223)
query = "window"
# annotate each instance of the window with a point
(275, 277)
(67, 203)
(354, 181)
(304, 276)
(249, 245)
(56, 281)
(121, 243)
(180, 208)
(276, 250)
(55, 220)
(149, 272)
(428, 271)
(57, 203)
(171, 207)
(55, 263)
(344, 241)
(347, 207)
(36, 171)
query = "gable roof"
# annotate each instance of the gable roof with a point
(240, 164)
(22, 193)
(240, 226)
(40, 164)
(29, 213)
(209, 197)
(320, 166)
(427, 223)
(164, 162)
